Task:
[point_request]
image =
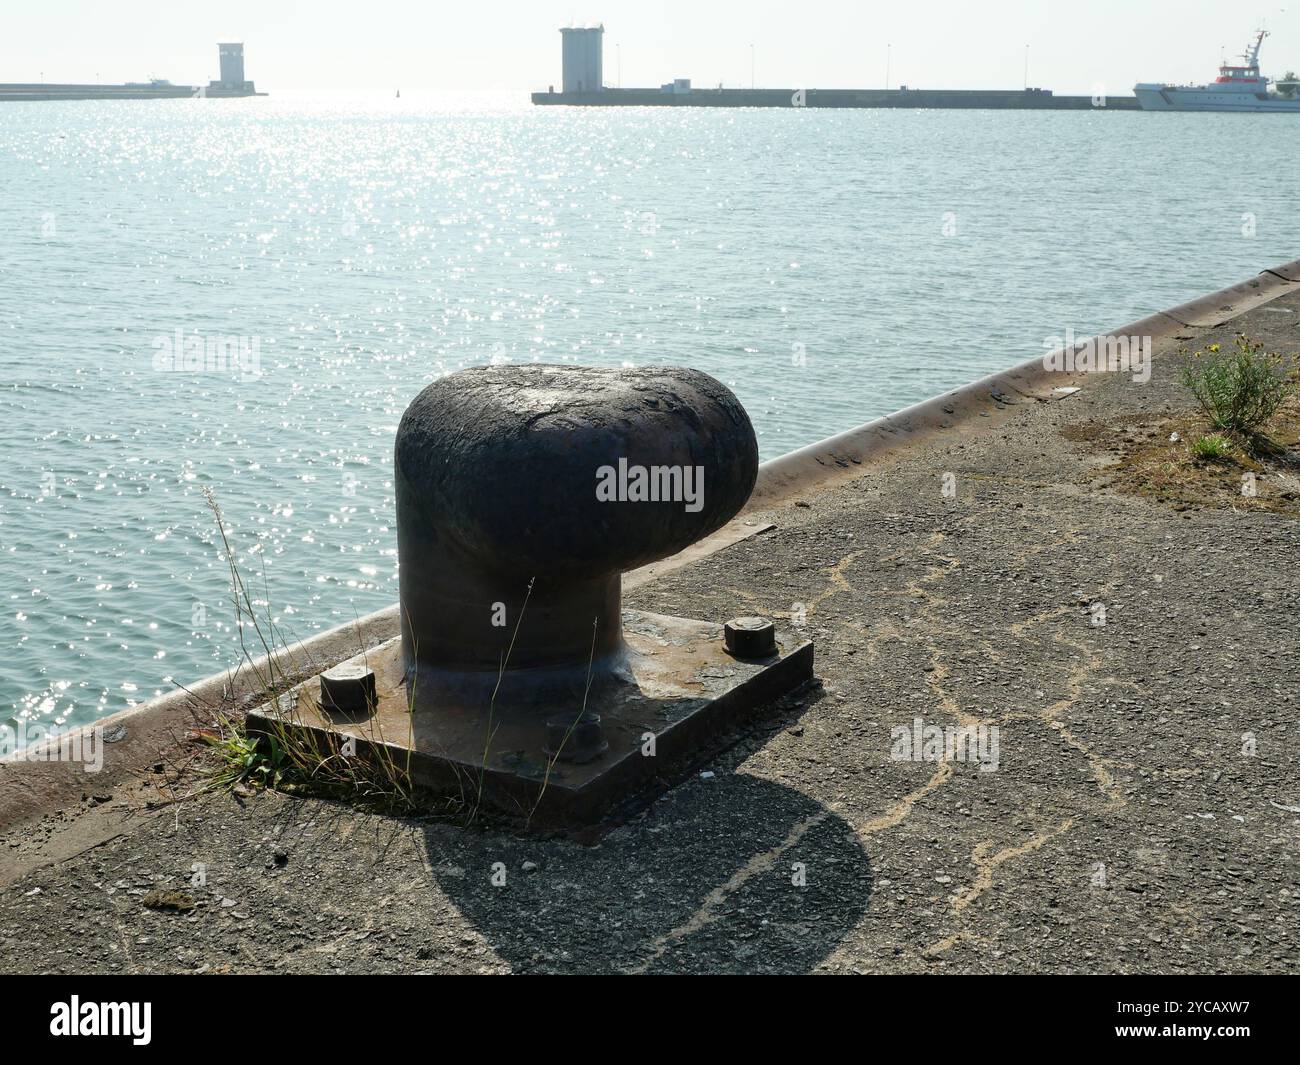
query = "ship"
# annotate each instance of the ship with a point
(1237, 88)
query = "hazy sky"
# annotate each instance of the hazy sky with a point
(514, 44)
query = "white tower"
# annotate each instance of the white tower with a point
(232, 64)
(583, 56)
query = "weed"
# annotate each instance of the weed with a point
(286, 755)
(1214, 447)
(1241, 389)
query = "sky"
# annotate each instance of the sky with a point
(314, 45)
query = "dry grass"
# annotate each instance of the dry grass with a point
(286, 756)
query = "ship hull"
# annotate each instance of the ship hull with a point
(1192, 98)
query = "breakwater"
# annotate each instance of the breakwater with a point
(232, 83)
(26, 93)
(991, 99)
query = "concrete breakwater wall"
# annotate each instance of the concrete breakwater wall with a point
(135, 735)
(38, 92)
(992, 99)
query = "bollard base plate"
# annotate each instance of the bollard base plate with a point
(665, 706)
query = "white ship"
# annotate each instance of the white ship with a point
(1237, 88)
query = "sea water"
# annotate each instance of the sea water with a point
(243, 296)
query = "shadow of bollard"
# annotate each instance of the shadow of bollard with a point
(735, 874)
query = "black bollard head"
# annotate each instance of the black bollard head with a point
(559, 476)
(506, 462)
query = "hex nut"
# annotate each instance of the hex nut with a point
(348, 689)
(750, 637)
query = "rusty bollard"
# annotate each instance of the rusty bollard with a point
(525, 492)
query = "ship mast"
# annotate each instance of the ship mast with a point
(1251, 56)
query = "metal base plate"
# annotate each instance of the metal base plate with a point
(675, 692)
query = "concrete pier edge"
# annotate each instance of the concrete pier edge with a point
(31, 789)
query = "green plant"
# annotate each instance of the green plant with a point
(1240, 389)
(1214, 447)
(288, 758)
(243, 759)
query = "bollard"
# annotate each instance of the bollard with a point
(524, 493)
(519, 681)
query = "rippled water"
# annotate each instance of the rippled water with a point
(828, 266)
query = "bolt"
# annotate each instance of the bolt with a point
(348, 689)
(750, 637)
